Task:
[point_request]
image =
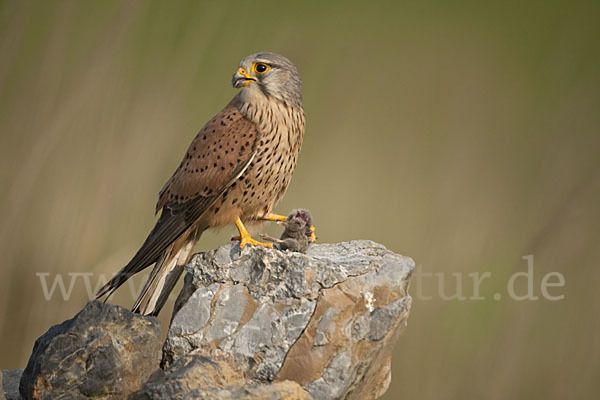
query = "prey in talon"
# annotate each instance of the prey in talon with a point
(298, 232)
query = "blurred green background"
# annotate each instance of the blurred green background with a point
(464, 134)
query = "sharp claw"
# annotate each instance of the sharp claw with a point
(274, 217)
(248, 240)
(245, 237)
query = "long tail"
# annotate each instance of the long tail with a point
(168, 267)
(165, 275)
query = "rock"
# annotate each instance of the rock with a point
(286, 390)
(197, 376)
(263, 324)
(9, 384)
(105, 351)
(327, 320)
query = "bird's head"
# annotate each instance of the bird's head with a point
(269, 75)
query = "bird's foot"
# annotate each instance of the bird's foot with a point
(245, 237)
(274, 217)
(312, 238)
(248, 240)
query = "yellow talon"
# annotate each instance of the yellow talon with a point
(276, 217)
(248, 240)
(245, 237)
(273, 217)
(313, 237)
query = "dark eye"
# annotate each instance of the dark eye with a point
(261, 68)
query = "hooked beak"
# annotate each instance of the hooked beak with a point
(241, 78)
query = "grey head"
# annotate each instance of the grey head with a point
(270, 75)
(298, 224)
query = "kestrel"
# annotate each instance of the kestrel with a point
(234, 171)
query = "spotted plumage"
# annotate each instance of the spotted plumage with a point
(234, 171)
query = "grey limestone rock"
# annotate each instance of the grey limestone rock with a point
(9, 384)
(104, 352)
(256, 324)
(327, 319)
